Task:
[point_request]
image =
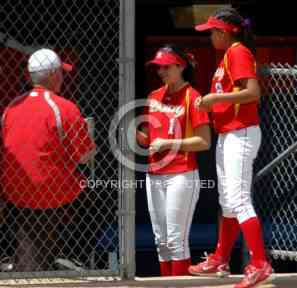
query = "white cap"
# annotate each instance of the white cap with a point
(46, 59)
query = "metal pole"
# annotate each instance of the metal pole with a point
(91, 129)
(91, 165)
(127, 94)
(275, 162)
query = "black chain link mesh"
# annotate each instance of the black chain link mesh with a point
(85, 34)
(275, 193)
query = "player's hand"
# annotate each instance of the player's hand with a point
(158, 145)
(205, 103)
(142, 139)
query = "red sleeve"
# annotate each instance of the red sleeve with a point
(198, 118)
(77, 140)
(241, 63)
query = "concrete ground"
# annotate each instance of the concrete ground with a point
(279, 281)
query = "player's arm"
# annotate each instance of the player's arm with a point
(248, 90)
(142, 137)
(84, 159)
(87, 146)
(242, 70)
(200, 141)
(78, 143)
(201, 136)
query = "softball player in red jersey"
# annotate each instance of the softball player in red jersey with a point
(173, 180)
(233, 102)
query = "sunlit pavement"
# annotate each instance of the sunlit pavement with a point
(279, 281)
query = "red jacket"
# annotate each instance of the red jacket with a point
(44, 137)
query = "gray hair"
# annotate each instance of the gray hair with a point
(41, 77)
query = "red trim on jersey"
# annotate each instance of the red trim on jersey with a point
(213, 22)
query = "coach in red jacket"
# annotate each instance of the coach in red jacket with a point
(44, 137)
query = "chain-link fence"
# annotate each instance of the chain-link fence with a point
(276, 166)
(63, 211)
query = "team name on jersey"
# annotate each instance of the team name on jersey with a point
(219, 74)
(156, 106)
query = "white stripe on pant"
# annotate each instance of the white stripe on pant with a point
(235, 154)
(171, 201)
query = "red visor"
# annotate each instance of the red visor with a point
(213, 22)
(163, 58)
(67, 67)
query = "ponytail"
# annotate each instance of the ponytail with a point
(247, 37)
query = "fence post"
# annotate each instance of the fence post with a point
(127, 94)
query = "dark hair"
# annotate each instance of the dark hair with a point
(188, 72)
(245, 35)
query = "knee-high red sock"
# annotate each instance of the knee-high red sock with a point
(253, 236)
(165, 268)
(180, 267)
(228, 233)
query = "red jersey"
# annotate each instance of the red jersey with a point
(44, 137)
(170, 116)
(238, 63)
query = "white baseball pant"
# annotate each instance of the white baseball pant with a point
(235, 154)
(171, 202)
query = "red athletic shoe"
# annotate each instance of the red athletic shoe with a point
(212, 266)
(254, 276)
